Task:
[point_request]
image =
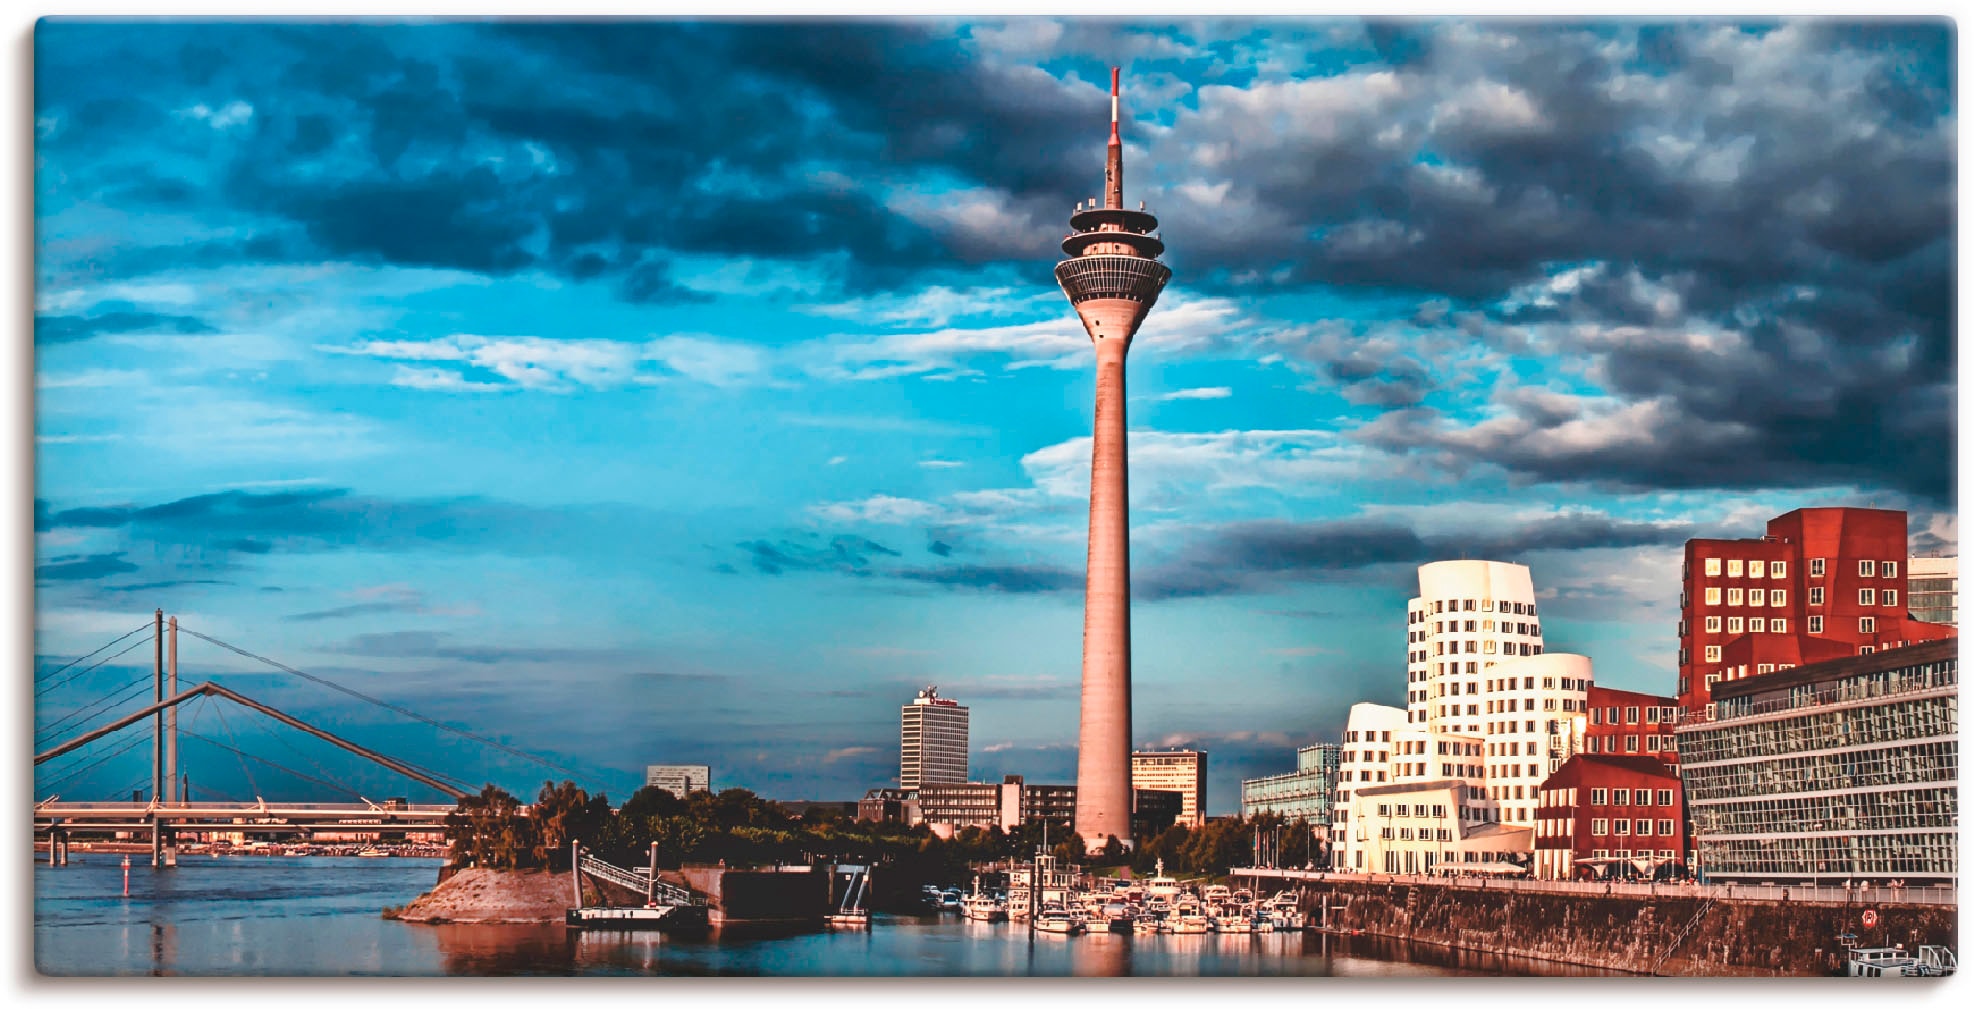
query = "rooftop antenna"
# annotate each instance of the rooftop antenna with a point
(1113, 184)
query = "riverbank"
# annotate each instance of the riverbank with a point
(1671, 934)
(474, 896)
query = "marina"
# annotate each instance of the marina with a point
(276, 917)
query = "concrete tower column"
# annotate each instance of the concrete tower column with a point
(1105, 698)
(1112, 277)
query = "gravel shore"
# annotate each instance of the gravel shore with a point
(493, 897)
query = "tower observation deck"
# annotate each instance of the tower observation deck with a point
(1112, 276)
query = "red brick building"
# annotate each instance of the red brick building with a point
(1822, 583)
(1597, 808)
(1627, 723)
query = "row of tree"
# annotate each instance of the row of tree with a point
(495, 830)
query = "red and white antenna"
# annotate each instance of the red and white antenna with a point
(1116, 106)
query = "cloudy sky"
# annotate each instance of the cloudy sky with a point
(654, 392)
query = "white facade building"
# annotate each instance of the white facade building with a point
(679, 779)
(1469, 616)
(934, 741)
(1478, 666)
(1532, 711)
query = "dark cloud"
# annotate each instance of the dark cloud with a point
(1262, 556)
(438, 645)
(1803, 203)
(845, 553)
(354, 610)
(83, 567)
(52, 329)
(171, 584)
(1012, 578)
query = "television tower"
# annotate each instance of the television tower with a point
(1112, 277)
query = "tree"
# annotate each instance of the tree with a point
(486, 830)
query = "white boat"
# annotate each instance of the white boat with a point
(1188, 922)
(1216, 893)
(1235, 924)
(1879, 961)
(1936, 961)
(1164, 887)
(1057, 919)
(982, 908)
(1147, 924)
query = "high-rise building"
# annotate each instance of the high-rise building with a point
(1478, 668)
(679, 779)
(1305, 792)
(1934, 589)
(1469, 616)
(1112, 276)
(1184, 771)
(1833, 772)
(934, 741)
(1823, 583)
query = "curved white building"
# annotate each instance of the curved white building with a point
(1531, 706)
(1467, 617)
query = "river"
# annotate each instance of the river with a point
(319, 916)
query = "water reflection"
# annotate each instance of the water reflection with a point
(320, 916)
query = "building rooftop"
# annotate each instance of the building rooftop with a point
(1836, 669)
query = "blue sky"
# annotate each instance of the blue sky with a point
(672, 391)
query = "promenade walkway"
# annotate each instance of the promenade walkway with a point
(1875, 894)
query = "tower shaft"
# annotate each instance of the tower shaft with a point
(1112, 276)
(1106, 794)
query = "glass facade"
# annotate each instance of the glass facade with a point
(1843, 770)
(1306, 792)
(1934, 599)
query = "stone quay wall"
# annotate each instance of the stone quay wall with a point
(1673, 934)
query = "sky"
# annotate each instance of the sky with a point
(669, 392)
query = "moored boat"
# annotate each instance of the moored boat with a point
(1056, 919)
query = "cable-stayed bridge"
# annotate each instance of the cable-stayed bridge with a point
(167, 811)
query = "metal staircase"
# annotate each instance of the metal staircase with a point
(639, 880)
(1683, 933)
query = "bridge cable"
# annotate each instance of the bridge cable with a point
(135, 644)
(72, 662)
(73, 772)
(244, 755)
(124, 693)
(237, 752)
(340, 688)
(277, 737)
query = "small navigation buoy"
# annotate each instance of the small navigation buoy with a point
(127, 875)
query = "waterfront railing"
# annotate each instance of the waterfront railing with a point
(1941, 895)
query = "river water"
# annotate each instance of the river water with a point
(319, 916)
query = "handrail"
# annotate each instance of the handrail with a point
(665, 892)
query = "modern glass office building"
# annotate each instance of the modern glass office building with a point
(1303, 793)
(1830, 772)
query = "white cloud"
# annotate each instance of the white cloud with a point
(227, 116)
(534, 362)
(1169, 466)
(1181, 324)
(1205, 392)
(941, 464)
(935, 306)
(881, 509)
(440, 380)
